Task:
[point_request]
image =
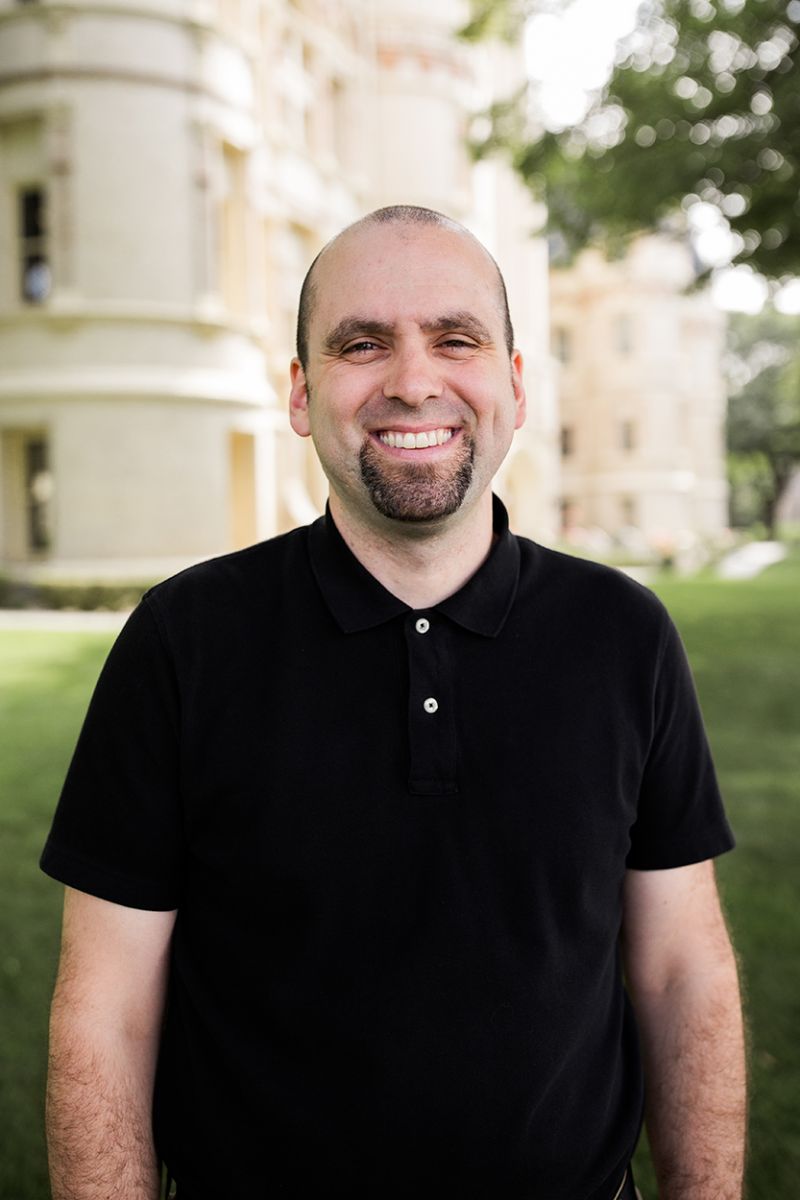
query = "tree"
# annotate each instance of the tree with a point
(703, 104)
(763, 412)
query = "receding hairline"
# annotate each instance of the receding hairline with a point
(408, 215)
(401, 215)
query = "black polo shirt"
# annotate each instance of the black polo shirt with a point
(396, 840)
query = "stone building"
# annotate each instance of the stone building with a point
(168, 168)
(642, 397)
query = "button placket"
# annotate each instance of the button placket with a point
(431, 718)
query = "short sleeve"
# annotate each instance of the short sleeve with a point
(680, 817)
(116, 833)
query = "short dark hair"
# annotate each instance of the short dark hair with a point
(393, 214)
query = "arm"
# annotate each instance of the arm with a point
(105, 1025)
(682, 979)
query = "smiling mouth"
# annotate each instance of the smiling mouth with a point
(414, 441)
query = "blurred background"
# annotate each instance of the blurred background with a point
(169, 168)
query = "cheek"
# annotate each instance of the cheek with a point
(335, 433)
(503, 406)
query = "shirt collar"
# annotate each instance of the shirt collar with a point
(358, 601)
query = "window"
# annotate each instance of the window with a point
(233, 217)
(242, 463)
(293, 249)
(296, 87)
(340, 129)
(623, 334)
(627, 435)
(26, 487)
(35, 280)
(567, 441)
(562, 344)
(627, 508)
(39, 493)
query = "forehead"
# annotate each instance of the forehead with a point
(399, 272)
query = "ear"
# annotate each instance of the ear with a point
(520, 400)
(298, 400)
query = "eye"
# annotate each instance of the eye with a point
(457, 346)
(359, 349)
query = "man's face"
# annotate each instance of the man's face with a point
(410, 396)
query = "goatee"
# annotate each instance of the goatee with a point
(408, 491)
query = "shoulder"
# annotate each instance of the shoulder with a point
(588, 595)
(582, 579)
(246, 583)
(257, 567)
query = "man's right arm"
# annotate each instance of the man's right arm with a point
(105, 1028)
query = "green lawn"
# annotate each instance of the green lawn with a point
(744, 643)
(743, 640)
(45, 681)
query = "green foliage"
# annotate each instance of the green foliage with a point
(763, 412)
(490, 20)
(82, 595)
(703, 104)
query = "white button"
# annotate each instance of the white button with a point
(423, 625)
(431, 705)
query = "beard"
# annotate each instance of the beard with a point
(405, 491)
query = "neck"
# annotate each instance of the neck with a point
(421, 565)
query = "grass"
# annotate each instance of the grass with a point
(743, 640)
(45, 681)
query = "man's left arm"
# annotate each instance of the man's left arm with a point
(682, 979)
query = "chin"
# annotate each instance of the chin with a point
(417, 494)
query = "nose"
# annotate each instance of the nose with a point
(412, 376)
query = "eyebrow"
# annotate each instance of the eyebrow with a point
(462, 321)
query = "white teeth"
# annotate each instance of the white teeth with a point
(416, 441)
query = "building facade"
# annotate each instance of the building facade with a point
(168, 169)
(642, 398)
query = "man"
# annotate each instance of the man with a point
(375, 811)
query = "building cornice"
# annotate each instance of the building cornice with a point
(204, 319)
(61, 74)
(174, 384)
(196, 16)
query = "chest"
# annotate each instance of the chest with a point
(395, 758)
